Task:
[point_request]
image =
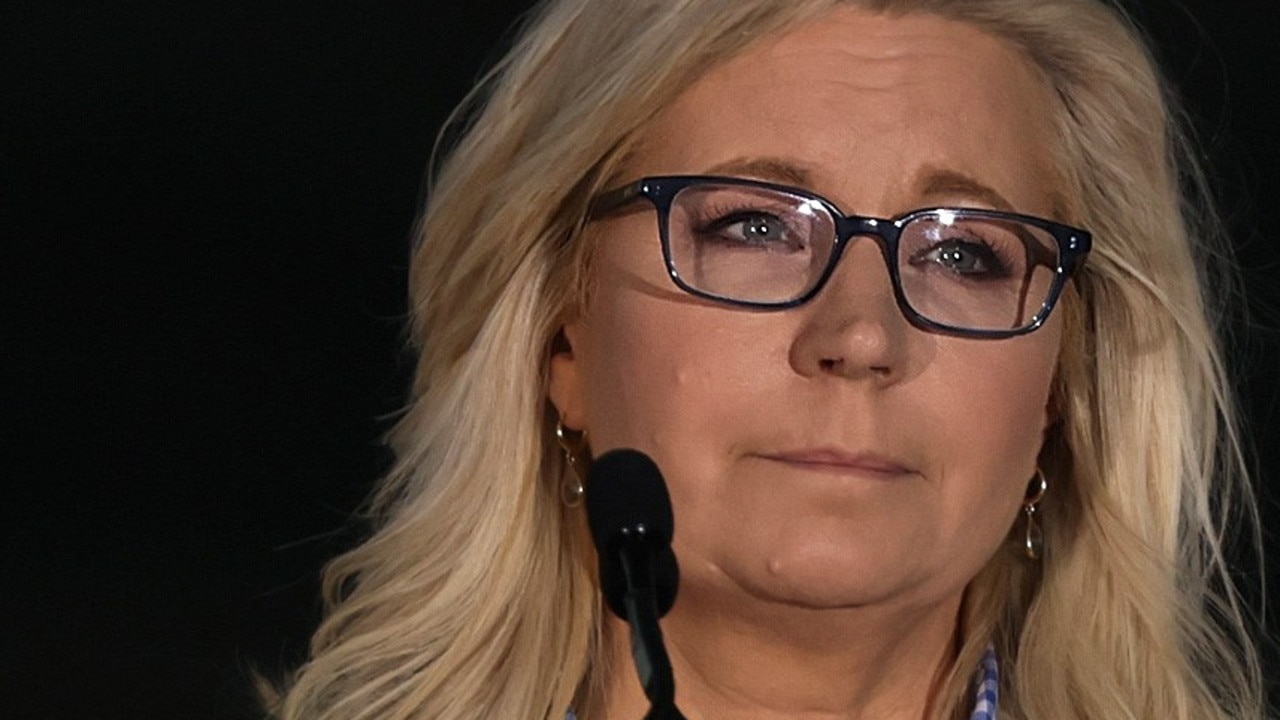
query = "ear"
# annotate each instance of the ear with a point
(1052, 414)
(566, 382)
(1053, 405)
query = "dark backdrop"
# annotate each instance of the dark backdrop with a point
(204, 216)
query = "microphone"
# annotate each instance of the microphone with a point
(629, 512)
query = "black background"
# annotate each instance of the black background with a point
(204, 219)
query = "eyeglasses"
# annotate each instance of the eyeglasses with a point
(960, 271)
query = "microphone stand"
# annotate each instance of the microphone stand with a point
(636, 558)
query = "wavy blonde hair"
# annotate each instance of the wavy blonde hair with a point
(475, 595)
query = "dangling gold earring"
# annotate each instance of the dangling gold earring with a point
(574, 446)
(1033, 540)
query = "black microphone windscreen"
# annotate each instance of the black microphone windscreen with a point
(625, 489)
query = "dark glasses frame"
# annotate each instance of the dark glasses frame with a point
(1073, 244)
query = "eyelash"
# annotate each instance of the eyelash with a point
(999, 258)
(707, 222)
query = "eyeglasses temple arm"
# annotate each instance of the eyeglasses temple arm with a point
(610, 200)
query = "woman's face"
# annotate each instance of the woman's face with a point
(830, 455)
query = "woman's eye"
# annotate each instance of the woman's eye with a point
(752, 229)
(963, 257)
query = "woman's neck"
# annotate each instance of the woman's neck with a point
(764, 661)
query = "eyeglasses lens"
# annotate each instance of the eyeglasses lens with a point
(976, 272)
(748, 243)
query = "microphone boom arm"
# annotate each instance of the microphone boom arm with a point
(647, 648)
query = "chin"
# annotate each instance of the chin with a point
(810, 597)
(829, 586)
(825, 577)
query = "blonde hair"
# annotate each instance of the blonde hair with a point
(474, 597)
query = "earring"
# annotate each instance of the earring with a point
(1033, 540)
(574, 446)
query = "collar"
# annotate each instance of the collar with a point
(986, 682)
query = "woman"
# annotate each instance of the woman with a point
(824, 262)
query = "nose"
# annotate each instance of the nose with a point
(853, 328)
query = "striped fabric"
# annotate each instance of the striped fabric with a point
(986, 681)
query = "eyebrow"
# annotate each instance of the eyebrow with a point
(940, 183)
(764, 168)
(932, 183)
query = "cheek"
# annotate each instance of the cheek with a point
(660, 372)
(999, 394)
(993, 404)
(659, 365)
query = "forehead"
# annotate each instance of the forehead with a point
(868, 109)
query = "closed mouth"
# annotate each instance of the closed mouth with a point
(840, 461)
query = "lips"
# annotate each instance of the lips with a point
(836, 460)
